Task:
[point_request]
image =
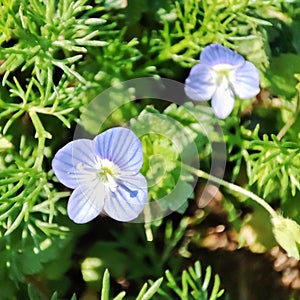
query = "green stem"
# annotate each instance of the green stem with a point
(40, 153)
(147, 225)
(233, 187)
(41, 135)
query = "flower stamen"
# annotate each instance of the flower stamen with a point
(107, 174)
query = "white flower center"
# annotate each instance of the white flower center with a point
(107, 173)
(223, 72)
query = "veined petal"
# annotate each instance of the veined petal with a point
(128, 201)
(200, 84)
(215, 54)
(67, 161)
(86, 202)
(223, 101)
(245, 81)
(122, 147)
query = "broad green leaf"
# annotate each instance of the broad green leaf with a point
(281, 77)
(167, 144)
(28, 261)
(287, 234)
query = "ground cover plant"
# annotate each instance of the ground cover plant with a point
(149, 149)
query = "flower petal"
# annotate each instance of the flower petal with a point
(122, 147)
(128, 201)
(215, 54)
(223, 101)
(86, 202)
(66, 161)
(245, 81)
(200, 84)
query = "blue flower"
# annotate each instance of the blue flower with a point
(104, 173)
(220, 76)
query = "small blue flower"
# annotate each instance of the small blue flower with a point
(220, 76)
(104, 173)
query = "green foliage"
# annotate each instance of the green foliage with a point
(52, 28)
(275, 162)
(44, 46)
(191, 279)
(271, 162)
(193, 285)
(47, 37)
(199, 23)
(125, 248)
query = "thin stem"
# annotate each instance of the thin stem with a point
(41, 135)
(233, 187)
(40, 153)
(148, 231)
